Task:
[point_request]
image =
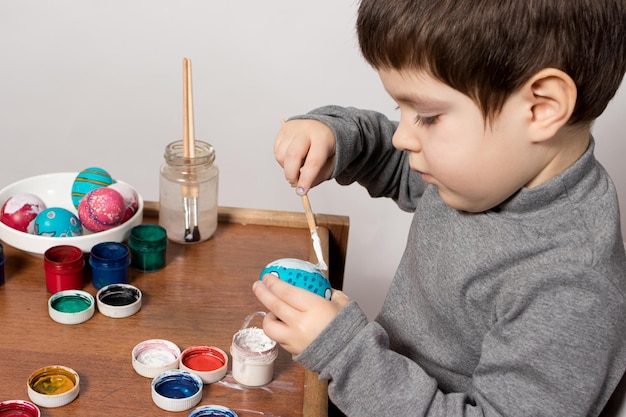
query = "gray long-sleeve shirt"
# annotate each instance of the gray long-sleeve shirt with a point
(516, 311)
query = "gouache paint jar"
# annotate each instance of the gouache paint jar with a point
(118, 300)
(208, 362)
(19, 408)
(63, 266)
(53, 386)
(2, 259)
(109, 264)
(253, 354)
(176, 390)
(154, 356)
(71, 306)
(148, 243)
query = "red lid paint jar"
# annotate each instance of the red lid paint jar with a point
(2, 259)
(109, 264)
(148, 243)
(19, 408)
(208, 362)
(63, 266)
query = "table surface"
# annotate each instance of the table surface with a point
(201, 297)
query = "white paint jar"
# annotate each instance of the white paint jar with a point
(253, 354)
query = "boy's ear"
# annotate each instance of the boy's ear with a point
(552, 97)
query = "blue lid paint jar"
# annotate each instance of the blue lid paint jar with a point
(2, 259)
(148, 243)
(109, 264)
(212, 411)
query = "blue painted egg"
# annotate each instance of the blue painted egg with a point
(300, 273)
(57, 222)
(89, 179)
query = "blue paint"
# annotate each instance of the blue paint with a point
(212, 411)
(300, 273)
(177, 385)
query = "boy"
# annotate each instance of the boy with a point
(510, 297)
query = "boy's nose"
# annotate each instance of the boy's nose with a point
(405, 139)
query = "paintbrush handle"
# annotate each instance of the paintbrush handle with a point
(310, 218)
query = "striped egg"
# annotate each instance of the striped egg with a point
(89, 179)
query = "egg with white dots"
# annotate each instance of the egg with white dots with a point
(302, 274)
(57, 222)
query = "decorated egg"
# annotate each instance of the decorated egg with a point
(20, 211)
(57, 222)
(131, 201)
(300, 273)
(89, 179)
(101, 209)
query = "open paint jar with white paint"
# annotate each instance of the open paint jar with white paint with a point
(154, 356)
(253, 354)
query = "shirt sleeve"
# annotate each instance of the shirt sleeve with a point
(365, 154)
(552, 350)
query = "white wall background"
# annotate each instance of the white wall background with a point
(98, 83)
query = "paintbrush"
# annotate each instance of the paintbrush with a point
(317, 243)
(190, 192)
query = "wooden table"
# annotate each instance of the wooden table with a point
(201, 297)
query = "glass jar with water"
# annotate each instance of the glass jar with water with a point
(188, 190)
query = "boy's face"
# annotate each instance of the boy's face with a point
(474, 164)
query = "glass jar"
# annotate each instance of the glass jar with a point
(188, 193)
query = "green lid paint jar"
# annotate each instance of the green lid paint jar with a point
(148, 243)
(71, 306)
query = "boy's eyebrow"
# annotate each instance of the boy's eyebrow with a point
(420, 100)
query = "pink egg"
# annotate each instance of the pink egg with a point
(20, 211)
(101, 209)
(131, 201)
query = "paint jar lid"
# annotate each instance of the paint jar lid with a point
(212, 411)
(119, 300)
(71, 306)
(53, 386)
(208, 362)
(154, 356)
(176, 390)
(19, 408)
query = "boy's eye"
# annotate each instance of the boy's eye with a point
(426, 120)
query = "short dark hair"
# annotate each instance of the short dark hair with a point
(487, 49)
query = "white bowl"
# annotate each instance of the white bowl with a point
(56, 191)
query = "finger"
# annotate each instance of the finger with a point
(296, 298)
(295, 155)
(275, 329)
(317, 167)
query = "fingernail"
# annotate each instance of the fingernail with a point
(300, 191)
